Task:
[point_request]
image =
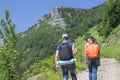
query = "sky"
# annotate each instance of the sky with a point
(25, 13)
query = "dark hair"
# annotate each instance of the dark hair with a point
(92, 38)
(89, 37)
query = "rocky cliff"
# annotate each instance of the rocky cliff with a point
(56, 18)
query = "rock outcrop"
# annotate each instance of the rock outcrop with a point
(56, 18)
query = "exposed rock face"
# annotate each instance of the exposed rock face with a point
(56, 18)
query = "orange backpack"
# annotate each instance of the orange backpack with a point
(92, 51)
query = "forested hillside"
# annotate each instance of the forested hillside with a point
(79, 22)
(34, 49)
(111, 18)
(40, 42)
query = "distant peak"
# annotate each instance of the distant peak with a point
(56, 18)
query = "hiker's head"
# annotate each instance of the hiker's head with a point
(90, 39)
(65, 37)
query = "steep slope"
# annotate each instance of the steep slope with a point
(40, 40)
(109, 49)
(78, 24)
(109, 46)
(111, 18)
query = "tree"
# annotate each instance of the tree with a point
(8, 54)
(111, 17)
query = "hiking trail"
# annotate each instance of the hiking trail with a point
(109, 70)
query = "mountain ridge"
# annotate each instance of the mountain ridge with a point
(40, 43)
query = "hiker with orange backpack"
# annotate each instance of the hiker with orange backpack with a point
(64, 53)
(92, 57)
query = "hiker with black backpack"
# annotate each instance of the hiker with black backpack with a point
(65, 52)
(92, 57)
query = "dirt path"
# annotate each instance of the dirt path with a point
(109, 70)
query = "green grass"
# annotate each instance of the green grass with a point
(109, 49)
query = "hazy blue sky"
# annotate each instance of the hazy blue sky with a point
(26, 13)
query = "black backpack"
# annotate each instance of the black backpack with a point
(65, 53)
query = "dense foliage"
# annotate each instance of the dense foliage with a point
(111, 17)
(39, 43)
(80, 20)
(9, 57)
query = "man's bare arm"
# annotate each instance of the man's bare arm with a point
(74, 50)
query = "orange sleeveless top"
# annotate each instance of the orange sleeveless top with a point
(92, 51)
